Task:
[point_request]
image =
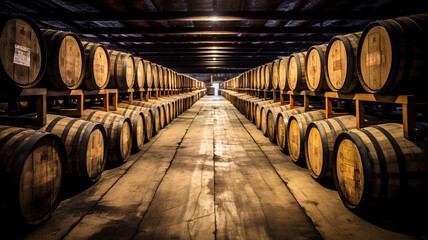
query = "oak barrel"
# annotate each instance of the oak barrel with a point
(156, 110)
(23, 57)
(392, 55)
(155, 75)
(319, 144)
(297, 126)
(138, 126)
(31, 172)
(267, 74)
(341, 60)
(282, 127)
(282, 73)
(122, 70)
(263, 116)
(148, 74)
(257, 111)
(378, 165)
(119, 133)
(271, 121)
(86, 146)
(97, 74)
(148, 118)
(140, 75)
(160, 76)
(316, 68)
(65, 58)
(296, 72)
(275, 74)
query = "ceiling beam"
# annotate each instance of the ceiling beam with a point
(216, 39)
(232, 15)
(230, 30)
(241, 63)
(218, 46)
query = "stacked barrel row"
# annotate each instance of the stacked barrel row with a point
(59, 60)
(41, 163)
(388, 57)
(370, 166)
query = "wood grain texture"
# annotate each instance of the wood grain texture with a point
(86, 146)
(378, 163)
(119, 133)
(319, 143)
(341, 55)
(23, 58)
(31, 169)
(97, 73)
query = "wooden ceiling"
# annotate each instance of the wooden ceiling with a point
(209, 36)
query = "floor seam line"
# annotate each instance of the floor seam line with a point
(277, 173)
(169, 166)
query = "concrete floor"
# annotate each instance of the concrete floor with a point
(210, 174)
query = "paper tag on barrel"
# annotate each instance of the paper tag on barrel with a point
(22, 56)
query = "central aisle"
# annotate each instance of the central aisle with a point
(202, 177)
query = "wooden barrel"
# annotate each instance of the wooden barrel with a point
(282, 127)
(262, 77)
(341, 55)
(148, 118)
(296, 72)
(97, 74)
(23, 59)
(155, 75)
(282, 73)
(297, 126)
(160, 76)
(140, 75)
(138, 126)
(392, 55)
(252, 106)
(66, 60)
(148, 74)
(316, 68)
(275, 74)
(268, 77)
(166, 84)
(119, 133)
(257, 111)
(272, 115)
(31, 172)
(156, 110)
(122, 70)
(86, 146)
(319, 144)
(377, 165)
(263, 116)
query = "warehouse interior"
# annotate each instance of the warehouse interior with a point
(208, 163)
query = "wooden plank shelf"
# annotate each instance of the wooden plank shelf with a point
(80, 96)
(33, 95)
(407, 102)
(126, 96)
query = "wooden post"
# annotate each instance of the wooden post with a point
(328, 107)
(281, 97)
(291, 101)
(360, 113)
(306, 102)
(409, 120)
(41, 110)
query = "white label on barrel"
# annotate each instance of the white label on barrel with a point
(373, 59)
(22, 56)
